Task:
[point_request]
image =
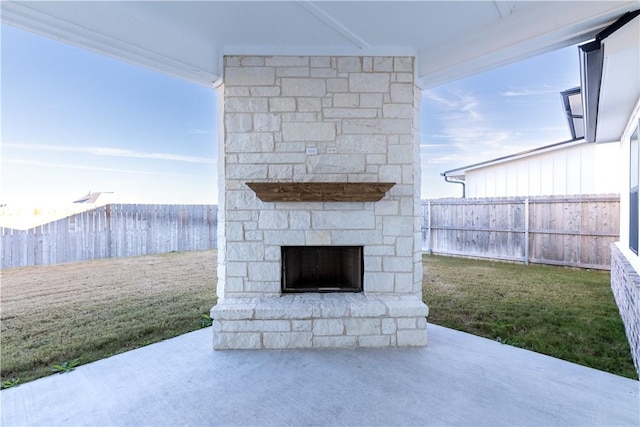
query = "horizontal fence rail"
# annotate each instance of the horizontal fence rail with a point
(569, 231)
(109, 231)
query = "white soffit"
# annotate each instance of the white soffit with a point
(620, 87)
(451, 39)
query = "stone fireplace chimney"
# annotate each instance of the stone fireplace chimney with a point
(319, 164)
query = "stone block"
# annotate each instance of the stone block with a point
(371, 100)
(282, 104)
(402, 93)
(383, 63)
(309, 104)
(347, 100)
(406, 322)
(388, 326)
(378, 127)
(336, 164)
(274, 310)
(287, 61)
(273, 220)
(249, 76)
(335, 341)
(403, 64)
(323, 72)
(236, 269)
(224, 311)
(415, 338)
(397, 264)
(362, 144)
(404, 283)
(246, 105)
(328, 327)
(249, 142)
(284, 237)
(238, 122)
(246, 172)
(356, 237)
(301, 325)
(281, 340)
(337, 85)
(400, 154)
(237, 341)
(292, 72)
(378, 282)
(245, 251)
(406, 308)
(339, 113)
(370, 82)
(280, 172)
(314, 238)
(336, 220)
(256, 326)
(349, 64)
(397, 111)
(369, 308)
(252, 61)
(264, 271)
(320, 61)
(362, 326)
(373, 263)
(304, 87)
(300, 220)
(374, 341)
(398, 226)
(264, 91)
(335, 309)
(266, 122)
(313, 131)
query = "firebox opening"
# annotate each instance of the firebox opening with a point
(322, 269)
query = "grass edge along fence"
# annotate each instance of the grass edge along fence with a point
(114, 230)
(573, 231)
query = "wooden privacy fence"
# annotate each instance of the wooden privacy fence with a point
(112, 231)
(570, 231)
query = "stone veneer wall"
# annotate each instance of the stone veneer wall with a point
(625, 283)
(361, 115)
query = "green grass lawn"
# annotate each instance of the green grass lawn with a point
(94, 309)
(562, 312)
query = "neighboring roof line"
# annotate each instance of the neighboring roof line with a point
(519, 154)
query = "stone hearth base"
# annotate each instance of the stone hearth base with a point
(319, 320)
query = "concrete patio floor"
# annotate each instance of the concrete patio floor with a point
(458, 379)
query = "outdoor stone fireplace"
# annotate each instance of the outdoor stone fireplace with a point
(319, 211)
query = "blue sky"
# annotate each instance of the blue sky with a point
(74, 121)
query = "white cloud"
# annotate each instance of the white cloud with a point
(111, 152)
(196, 131)
(90, 168)
(544, 90)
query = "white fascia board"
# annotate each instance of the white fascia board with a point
(25, 18)
(509, 158)
(317, 51)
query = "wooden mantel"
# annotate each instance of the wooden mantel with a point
(320, 191)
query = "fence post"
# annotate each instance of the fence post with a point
(526, 231)
(429, 251)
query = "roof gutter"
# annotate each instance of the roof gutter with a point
(591, 63)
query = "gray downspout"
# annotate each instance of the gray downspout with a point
(456, 181)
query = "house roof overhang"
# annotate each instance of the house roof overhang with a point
(187, 39)
(610, 76)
